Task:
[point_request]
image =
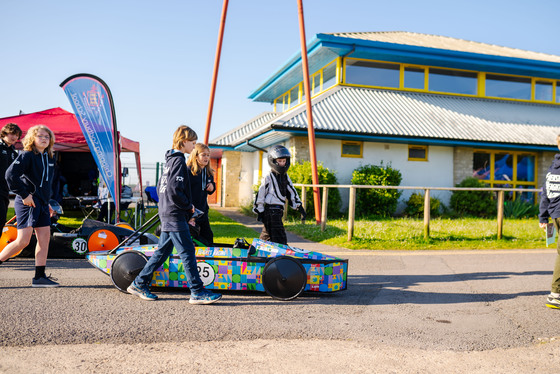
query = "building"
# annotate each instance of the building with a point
(438, 109)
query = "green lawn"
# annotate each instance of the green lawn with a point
(393, 233)
(407, 233)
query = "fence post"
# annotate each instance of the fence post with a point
(324, 209)
(426, 213)
(351, 212)
(500, 213)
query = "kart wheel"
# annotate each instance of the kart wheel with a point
(284, 278)
(124, 225)
(126, 266)
(102, 240)
(9, 234)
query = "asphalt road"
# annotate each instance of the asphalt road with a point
(424, 311)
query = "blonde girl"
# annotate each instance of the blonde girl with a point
(30, 177)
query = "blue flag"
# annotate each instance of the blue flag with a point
(93, 105)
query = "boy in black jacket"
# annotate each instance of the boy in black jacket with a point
(175, 210)
(550, 207)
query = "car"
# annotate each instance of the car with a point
(282, 271)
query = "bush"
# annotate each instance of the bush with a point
(415, 206)
(520, 209)
(301, 173)
(472, 203)
(372, 202)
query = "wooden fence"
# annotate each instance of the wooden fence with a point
(352, 201)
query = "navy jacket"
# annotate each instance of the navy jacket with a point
(31, 173)
(8, 154)
(198, 188)
(174, 193)
(550, 197)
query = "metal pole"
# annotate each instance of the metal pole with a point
(215, 75)
(310, 129)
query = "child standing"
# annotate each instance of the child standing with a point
(175, 210)
(30, 177)
(201, 177)
(10, 134)
(275, 188)
(550, 207)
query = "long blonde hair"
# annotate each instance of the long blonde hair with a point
(192, 162)
(29, 139)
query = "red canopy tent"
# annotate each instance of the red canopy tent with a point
(67, 132)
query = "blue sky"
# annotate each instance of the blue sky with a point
(157, 56)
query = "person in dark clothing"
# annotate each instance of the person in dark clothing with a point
(201, 177)
(550, 208)
(30, 177)
(175, 210)
(9, 134)
(275, 188)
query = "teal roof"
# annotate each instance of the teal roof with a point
(413, 48)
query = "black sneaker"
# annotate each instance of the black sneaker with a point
(44, 281)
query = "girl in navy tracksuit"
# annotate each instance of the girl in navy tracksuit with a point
(201, 177)
(175, 210)
(30, 177)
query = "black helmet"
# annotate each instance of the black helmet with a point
(276, 152)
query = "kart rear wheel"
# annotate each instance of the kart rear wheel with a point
(9, 234)
(102, 240)
(126, 266)
(124, 225)
(284, 278)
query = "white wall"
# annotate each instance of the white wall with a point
(436, 172)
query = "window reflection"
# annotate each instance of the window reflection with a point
(503, 167)
(452, 81)
(508, 87)
(543, 91)
(372, 73)
(481, 165)
(414, 78)
(526, 168)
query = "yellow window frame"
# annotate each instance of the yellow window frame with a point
(423, 147)
(347, 142)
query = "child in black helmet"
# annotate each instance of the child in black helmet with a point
(275, 188)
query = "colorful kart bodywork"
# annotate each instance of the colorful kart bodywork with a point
(282, 271)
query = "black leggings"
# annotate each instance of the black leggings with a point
(273, 230)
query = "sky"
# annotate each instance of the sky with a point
(157, 57)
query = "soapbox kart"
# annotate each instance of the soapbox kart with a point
(282, 271)
(68, 242)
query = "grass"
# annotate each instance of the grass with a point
(407, 233)
(391, 233)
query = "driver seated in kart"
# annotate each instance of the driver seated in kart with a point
(276, 188)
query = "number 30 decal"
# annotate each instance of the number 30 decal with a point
(206, 272)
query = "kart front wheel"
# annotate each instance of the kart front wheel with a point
(126, 266)
(284, 278)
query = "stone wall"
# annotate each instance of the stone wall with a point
(231, 170)
(462, 164)
(299, 148)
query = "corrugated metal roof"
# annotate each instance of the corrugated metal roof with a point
(445, 42)
(242, 132)
(375, 112)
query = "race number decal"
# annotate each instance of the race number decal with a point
(79, 245)
(206, 272)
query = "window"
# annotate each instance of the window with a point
(453, 81)
(543, 90)
(417, 153)
(506, 169)
(352, 149)
(371, 73)
(414, 78)
(329, 75)
(508, 87)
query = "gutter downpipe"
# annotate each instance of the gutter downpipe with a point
(215, 74)
(310, 128)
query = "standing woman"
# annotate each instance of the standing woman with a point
(30, 177)
(201, 176)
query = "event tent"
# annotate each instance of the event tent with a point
(67, 132)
